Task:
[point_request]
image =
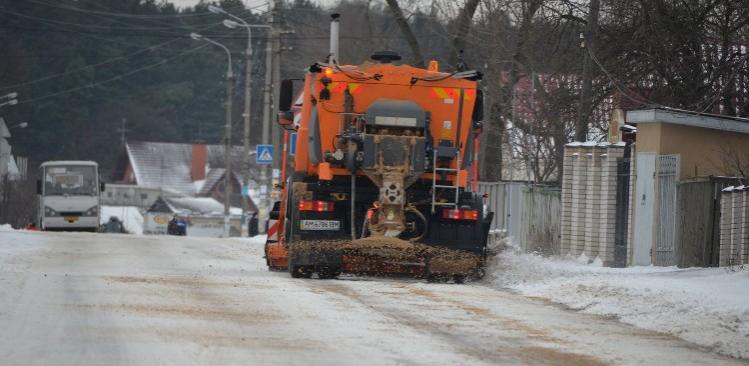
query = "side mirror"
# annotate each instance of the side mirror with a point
(286, 118)
(102, 186)
(38, 186)
(286, 95)
(275, 213)
(478, 107)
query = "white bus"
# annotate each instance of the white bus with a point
(69, 194)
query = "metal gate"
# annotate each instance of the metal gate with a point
(621, 230)
(644, 202)
(665, 238)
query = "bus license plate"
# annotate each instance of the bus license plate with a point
(320, 225)
(71, 219)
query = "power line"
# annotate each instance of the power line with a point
(211, 35)
(97, 26)
(134, 16)
(615, 82)
(115, 78)
(115, 59)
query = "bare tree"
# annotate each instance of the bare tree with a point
(402, 21)
(462, 28)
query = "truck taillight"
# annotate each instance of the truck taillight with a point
(460, 214)
(319, 206)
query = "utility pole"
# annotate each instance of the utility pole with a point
(268, 116)
(246, 137)
(246, 162)
(587, 44)
(276, 131)
(227, 156)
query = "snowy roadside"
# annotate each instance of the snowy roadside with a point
(705, 306)
(130, 217)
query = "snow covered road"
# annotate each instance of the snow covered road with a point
(79, 299)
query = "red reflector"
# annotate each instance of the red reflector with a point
(460, 214)
(319, 206)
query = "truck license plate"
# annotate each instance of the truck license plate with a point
(320, 225)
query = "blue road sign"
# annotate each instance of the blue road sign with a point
(264, 154)
(292, 144)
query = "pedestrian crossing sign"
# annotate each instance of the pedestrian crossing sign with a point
(264, 154)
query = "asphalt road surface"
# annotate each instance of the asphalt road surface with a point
(93, 299)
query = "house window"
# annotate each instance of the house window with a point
(144, 196)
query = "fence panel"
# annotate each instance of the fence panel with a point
(495, 201)
(505, 200)
(540, 222)
(668, 174)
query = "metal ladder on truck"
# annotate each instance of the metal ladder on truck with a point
(455, 186)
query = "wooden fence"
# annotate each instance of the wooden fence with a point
(540, 229)
(698, 221)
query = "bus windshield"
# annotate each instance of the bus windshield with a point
(70, 180)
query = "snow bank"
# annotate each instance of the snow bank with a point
(257, 241)
(706, 306)
(6, 227)
(129, 215)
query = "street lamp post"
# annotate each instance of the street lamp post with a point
(227, 142)
(239, 22)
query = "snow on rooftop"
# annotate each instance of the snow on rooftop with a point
(628, 128)
(169, 165)
(198, 185)
(199, 205)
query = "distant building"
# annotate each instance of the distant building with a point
(148, 170)
(12, 168)
(204, 216)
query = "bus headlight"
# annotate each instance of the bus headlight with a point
(93, 211)
(50, 212)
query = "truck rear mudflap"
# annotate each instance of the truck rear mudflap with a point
(382, 256)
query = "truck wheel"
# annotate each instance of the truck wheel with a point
(327, 273)
(300, 272)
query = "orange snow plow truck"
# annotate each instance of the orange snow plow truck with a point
(381, 176)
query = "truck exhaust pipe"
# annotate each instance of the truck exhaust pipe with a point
(335, 27)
